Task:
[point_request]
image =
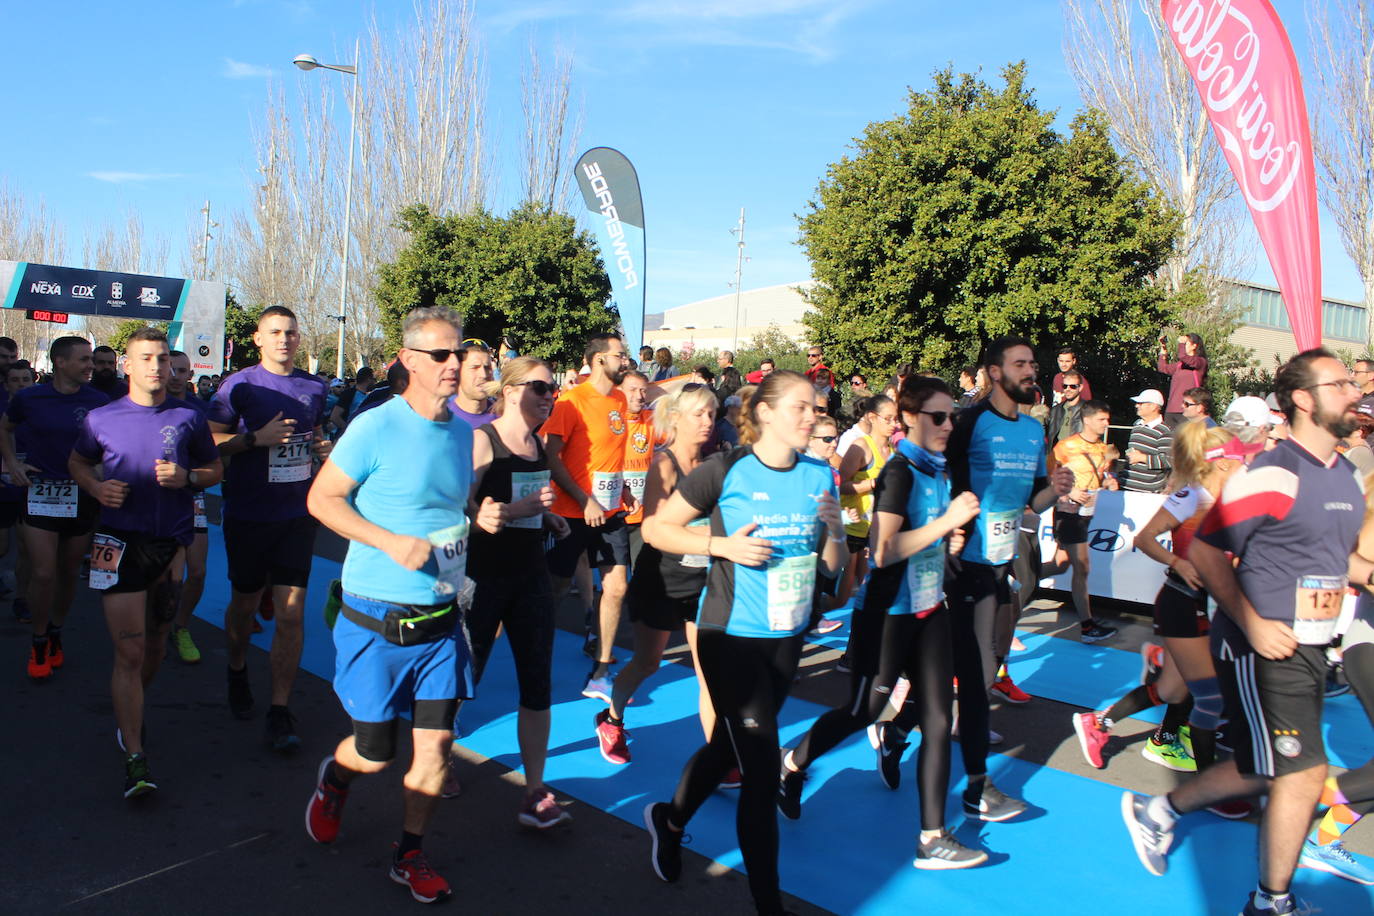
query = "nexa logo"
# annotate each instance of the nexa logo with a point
(44, 288)
(614, 227)
(760, 497)
(83, 292)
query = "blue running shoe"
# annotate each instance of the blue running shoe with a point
(1335, 859)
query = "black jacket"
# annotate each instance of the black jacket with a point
(1055, 421)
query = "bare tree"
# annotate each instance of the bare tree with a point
(1342, 34)
(552, 130)
(28, 232)
(126, 248)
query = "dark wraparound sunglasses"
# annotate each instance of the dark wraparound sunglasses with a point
(938, 417)
(441, 355)
(538, 386)
(826, 439)
(1074, 387)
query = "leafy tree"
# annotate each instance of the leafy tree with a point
(969, 217)
(126, 328)
(239, 324)
(529, 275)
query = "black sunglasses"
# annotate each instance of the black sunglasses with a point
(441, 355)
(538, 386)
(694, 386)
(826, 439)
(938, 417)
(1074, 387)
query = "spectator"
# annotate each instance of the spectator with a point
(815, 362)
(646, 357)
(1188, 370)
(725, 360)
(1066, 416)
(1197, 405)
(765, 369)
(1148, 453)
(351, 399)
(1359, 451)
(1363, 373)
(824, 383)
(968, 386)
(726, 434)
(1068, 362)
(727, 383)
(661, 367)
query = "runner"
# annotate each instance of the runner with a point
(141, 457)
(193, 558)
(997, 453)
(513, 589)
(666, 587)
(639, 452)
(902, 624)
(859, 470)
(398, 636)
(42, 423)
(267, 418)
(775, 523)
(472, 403)
(1291, 520)
(18, 376)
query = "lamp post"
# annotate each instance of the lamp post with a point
(308, 62)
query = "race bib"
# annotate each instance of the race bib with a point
(106, 553)
(1001, 530)
(522, 484)
(289, 461)
(451, 556)
(925, 579)
(607, 489)
(791, 589)
(696, 560)
(198, 520)
(1317, 605)
(52, 498)
(634, 482)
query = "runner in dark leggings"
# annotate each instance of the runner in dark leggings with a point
(775, 524)
(902, 623)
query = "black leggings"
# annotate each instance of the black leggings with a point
(748, 680)
(525, 605)
(920, 649)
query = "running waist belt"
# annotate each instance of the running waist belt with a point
(409, 627)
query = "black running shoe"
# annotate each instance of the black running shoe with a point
(666, 856)
(789, 793)
(1096, 632)
(240, 694)
(137, 778)
(890, 755)
(281, 730)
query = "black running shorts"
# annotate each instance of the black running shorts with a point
(269, 553)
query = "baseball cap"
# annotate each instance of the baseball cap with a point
(1248, 411)
(1275, 415)
(1149, 396)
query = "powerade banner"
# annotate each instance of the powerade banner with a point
(1245, 70)
(193, 309)
(611, 189)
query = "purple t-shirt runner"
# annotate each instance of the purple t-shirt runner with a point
(128, 439)
(47, 424)
(269, 483)
(471, 419)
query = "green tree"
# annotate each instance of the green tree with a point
(968, 217)
(239, 324)
(530, 275)
(125, 329)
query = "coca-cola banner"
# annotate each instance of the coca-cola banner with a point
(1243, 64)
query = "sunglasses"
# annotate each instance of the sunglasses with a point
(826, 439)
(1190, 403)
(855, 383)
(814, 355)
(694, 386)
(938, 417)
(538, 386)
(441, 355)
(1073, 387)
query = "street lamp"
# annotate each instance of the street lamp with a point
(308, 62)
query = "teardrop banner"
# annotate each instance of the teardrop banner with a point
(1244, 68)
(610, 188)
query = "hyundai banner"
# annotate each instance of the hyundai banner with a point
(193, 309)
(1243, 64)
(1117, 567)
(610, 188)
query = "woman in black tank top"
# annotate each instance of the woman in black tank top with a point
(513, 587)
(665, 589)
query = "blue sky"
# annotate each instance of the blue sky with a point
(150, 105)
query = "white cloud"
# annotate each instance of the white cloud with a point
(129, 177)
(238, 70)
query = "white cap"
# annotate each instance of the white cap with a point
(1149, 396)
(1276, 416)
(1248, 411)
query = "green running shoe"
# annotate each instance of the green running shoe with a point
(185, 646)
(1173, 756)
(137, 779)
(1185, 737)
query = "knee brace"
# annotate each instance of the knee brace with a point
(1207, 703)
(375, 741)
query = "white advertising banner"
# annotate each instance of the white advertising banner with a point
(1118, 570)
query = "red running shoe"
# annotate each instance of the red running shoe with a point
(40, 668)
(1092, 738)
(55, 656)
(611, 739)
(325, 811)
(412, 870)
(1009, 691)
(1232, 810)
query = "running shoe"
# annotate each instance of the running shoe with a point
(40, 669)
(55, 656)
(1185, 738)
(598, 688)
(1173, 756)
(1233, 810)
(994, 805)
(1151, 662)
(1092, 738)
(1287, 905)
(790, 784)
(1335, 859)
(591, 646)
(1097, 632)
(610, 738)
(1009, 691)
(281, 730)
(732, 779)
(666, 854)
(1017, 645)
(240, 694)
(889, 755)
(413, 871)
(1151, 840)
(944, 853)
(185, 646)
(21, 611)
(844, 666)
(994, 737)
(325, 811)
(138, 780)
(825, 625)
(541, 811)
(875, 734)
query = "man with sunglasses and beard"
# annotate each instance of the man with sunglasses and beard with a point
(1066, 416)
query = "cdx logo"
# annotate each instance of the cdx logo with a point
(83, 292)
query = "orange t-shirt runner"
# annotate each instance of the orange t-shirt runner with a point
(639, 454)
(592, 427)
